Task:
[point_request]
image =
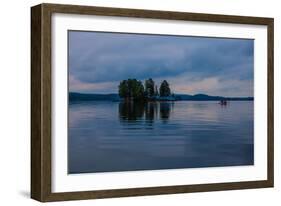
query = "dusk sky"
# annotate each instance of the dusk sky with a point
(98, 61)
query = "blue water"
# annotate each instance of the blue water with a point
(106, 136)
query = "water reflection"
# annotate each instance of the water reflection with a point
(149, 111)
(106, 136)
(131, 111)
(165, 110)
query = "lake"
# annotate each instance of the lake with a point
(106, 136)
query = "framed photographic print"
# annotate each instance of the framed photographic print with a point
(130, 102)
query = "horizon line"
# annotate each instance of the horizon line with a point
(174, 93)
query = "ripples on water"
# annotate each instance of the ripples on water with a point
(115, 136)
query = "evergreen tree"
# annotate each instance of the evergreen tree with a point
(149, 87)
(165, 89)
(123, 89)
(131, 89)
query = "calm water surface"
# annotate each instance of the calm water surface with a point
(108, 136)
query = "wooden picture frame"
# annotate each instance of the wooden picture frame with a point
(41, 116)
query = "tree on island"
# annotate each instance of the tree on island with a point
(165, 90)
(131, 89)
(149, 87)
(123, 89)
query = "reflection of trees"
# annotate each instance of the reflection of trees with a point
(165, 109)
(131, 110)
(150, 111)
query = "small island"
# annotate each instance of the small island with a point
(134, 90)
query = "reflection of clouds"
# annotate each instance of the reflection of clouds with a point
(212, 113)
(194, 134)
(76, 113)
(80, 112)
(204, 111)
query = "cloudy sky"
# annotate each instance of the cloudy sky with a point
(98, 61)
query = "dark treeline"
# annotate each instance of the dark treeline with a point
(133, 89)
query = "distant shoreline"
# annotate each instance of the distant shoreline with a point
(74, 96)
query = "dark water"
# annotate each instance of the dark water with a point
(112, 136)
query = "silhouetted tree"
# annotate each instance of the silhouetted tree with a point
(131, 89)
(149, 87)
(165, 89)
(136, 89)
(123, 89)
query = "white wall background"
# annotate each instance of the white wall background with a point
(15, 102)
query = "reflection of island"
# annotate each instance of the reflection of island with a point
(78, 97)
(133, 111)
